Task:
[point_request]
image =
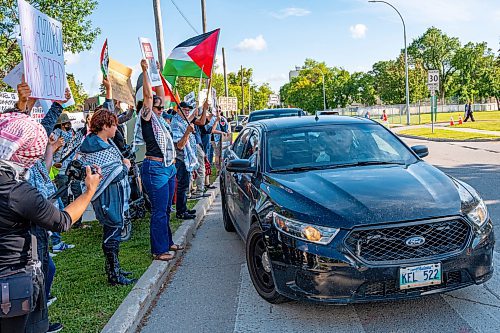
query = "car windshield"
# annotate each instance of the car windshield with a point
(334, 146)
(262, 116)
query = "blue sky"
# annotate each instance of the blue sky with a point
(273, 36)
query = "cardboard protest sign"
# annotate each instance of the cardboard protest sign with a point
(43, 54)
(119, 77)
(105, 59)
(7, 101)
(147, 53)
(212, 99)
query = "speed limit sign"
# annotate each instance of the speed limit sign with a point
(433, 79)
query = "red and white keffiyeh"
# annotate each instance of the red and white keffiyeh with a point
(22, 139)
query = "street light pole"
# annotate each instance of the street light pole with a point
(324, 95)
(406, 62)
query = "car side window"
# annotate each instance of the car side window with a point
(252, 148)
(240, 143)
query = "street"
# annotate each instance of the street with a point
(211, 290)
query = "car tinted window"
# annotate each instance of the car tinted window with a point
(240, 143)
(251, 150)
(334, 145)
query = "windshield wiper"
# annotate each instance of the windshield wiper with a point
(366, 163)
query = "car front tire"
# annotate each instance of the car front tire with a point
(259, 266)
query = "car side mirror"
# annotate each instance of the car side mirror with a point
(240, 166)
(238, 128)
(421, 150)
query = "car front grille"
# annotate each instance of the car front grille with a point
(389, 244)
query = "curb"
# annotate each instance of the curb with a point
(442, 139)
(129, 314)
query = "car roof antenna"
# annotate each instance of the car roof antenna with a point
(316, 116)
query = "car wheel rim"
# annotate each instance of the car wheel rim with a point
(261, 265)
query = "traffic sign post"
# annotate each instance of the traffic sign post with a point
(433, 86)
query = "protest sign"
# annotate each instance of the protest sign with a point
(38, 114)
(13, 78)
(190, 99)
(7, 101)
(228, 103)
(147, 53)
(105, 59)
(43, 54)
(92, 103)
(119, 77)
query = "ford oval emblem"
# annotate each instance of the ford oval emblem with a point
(415, 241)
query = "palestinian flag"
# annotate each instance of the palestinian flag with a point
(193, 58)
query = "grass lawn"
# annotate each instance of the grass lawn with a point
(85, 301)
(445, 134)
(485, 120)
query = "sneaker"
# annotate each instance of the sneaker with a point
(55, 327)
(51, 300)
(210, 187)
(61, 247)
(185, 216)
(191, 211)
(52, 255)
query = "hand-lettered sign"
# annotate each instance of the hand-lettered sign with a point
(119, 77)
(43, 54)
(147, 53)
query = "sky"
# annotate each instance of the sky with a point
(274, 36)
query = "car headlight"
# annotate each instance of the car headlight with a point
(312, 233)
(472, 204)
(479, 214)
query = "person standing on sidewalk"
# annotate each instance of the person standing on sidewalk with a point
(186, 160)
(158, 169)
(200, 132)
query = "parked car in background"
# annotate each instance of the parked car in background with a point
(339, 210)
(274, 113)
(327, 113)
(241, 120)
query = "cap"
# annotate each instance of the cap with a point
(185, 105)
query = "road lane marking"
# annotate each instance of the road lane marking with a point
(254, 314)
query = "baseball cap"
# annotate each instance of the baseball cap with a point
(185, 105)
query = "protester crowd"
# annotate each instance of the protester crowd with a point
(43, 192)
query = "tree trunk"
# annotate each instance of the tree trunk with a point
(498, 102)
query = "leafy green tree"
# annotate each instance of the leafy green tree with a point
(78, 93)
(436, 51)
(78, 32)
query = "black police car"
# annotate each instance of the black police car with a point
(338, 209)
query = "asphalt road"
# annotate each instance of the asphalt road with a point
(211, 290)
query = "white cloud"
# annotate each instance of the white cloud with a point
(358, 31)
(291, 11)
(219, 69)
(71, 58)
(252, 44)
(95, 84)
(276, 78)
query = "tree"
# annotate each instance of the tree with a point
(436, 51)
(78, 33)
(77, 91)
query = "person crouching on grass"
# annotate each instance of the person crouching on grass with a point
(111, 198)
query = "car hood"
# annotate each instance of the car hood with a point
(345, 197)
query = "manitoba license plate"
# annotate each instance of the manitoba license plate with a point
(419, 276)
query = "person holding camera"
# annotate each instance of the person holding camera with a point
(111, 198)
(22, 143)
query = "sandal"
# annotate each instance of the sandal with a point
(176, 247)
(164, 257)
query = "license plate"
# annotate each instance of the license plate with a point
(419, 276)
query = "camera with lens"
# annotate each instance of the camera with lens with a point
(76, 170)
(128, 152)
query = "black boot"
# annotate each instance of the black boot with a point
(113, 267)
(122, 272)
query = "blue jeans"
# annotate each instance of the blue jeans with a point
(159, 183)
(182, 187)
(50, 277)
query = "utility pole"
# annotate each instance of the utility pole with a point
(242, 93)
(159, 33)
(225, 74)
(203, 16)
(249, 96)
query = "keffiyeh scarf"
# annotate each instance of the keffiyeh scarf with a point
(163, 136)
(22, 139)
(179, 127)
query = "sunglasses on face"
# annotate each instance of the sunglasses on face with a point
(161, 107)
